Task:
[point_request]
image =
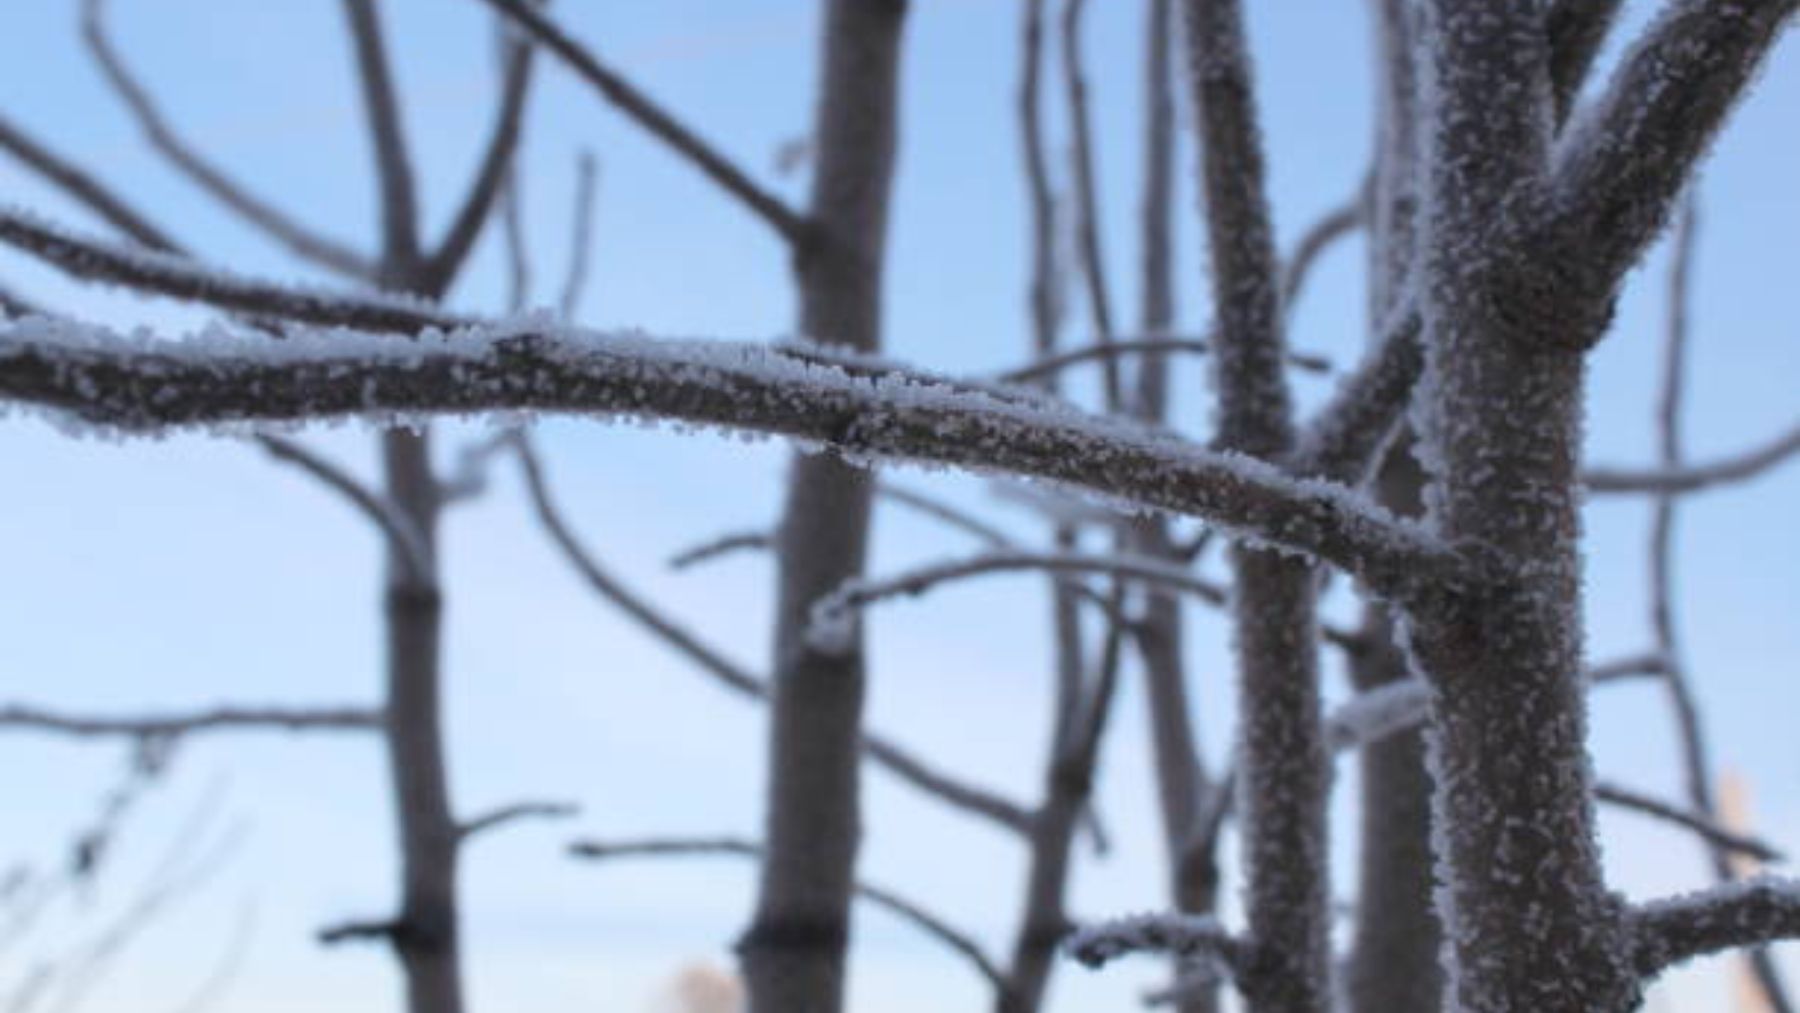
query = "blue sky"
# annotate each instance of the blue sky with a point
(194, 570)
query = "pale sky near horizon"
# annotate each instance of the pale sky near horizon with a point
(192, 570)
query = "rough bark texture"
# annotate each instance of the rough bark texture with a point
(1529, 923)
(793, 952)
(1284, 776)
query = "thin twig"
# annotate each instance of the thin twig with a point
(581, 241)
(1087, 202)
(895, 759)
(340, 719)
(1685, 478)
(287, 231)
(71, 179)
(387, 137)
(1334, 225)
(403, 536)
(1706, 826)
(517, 811)
(665, 127)
(729, 543)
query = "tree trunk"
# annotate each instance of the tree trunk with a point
(793, 952)
(1393, 965)
(425, 935)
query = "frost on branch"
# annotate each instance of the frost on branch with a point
(1745, 913)
(1198, 937)
(866, 412)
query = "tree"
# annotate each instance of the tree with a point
(1503, 215)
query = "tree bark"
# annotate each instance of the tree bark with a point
(426, 933)
(793, 952)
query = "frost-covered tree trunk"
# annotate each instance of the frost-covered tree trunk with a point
(1283, 776)
(1529, 921)
(793, 952)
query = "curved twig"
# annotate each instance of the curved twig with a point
(409, 545)
(1707, 828)
(1686, 478)
(287, 231)
(625, 97)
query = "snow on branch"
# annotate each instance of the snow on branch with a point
(1622, 163)
(625, 97)
(1198, 937)
(1739, 467)
(1745, 913)
(218, 719)
(179, 277)
(879, 411)
(910, 911)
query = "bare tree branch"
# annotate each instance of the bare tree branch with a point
(575, 280)
(1705, 826)
(1685, 478)
(625, 97)
(496, 818)
(183, 278)
(491, 176)
(1344, 439)
(1087, 201)
(937, 509)
(1199, 936)
(139, 383)
(299, 239)
(387, 136)
(897, 760)
(1746, 913)
(372, 930)
(341, 719)
(1332, 226)
(834, 612)
(1044, 295)
(729, 543)
(1621, 164)
(83, 187)
(1577, 29)
(1148, 346)
(910, 911)
(403, 536)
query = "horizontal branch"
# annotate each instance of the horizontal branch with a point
(1707, 828)
(834, 614)
(218, 719)
(497, 818)
(1121, 347)
(1195, 937)
(1694, 478)
(138, 383)
(625, 97)
(1749, 912)
(931, 924)
(729, 543)
(371, 930)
